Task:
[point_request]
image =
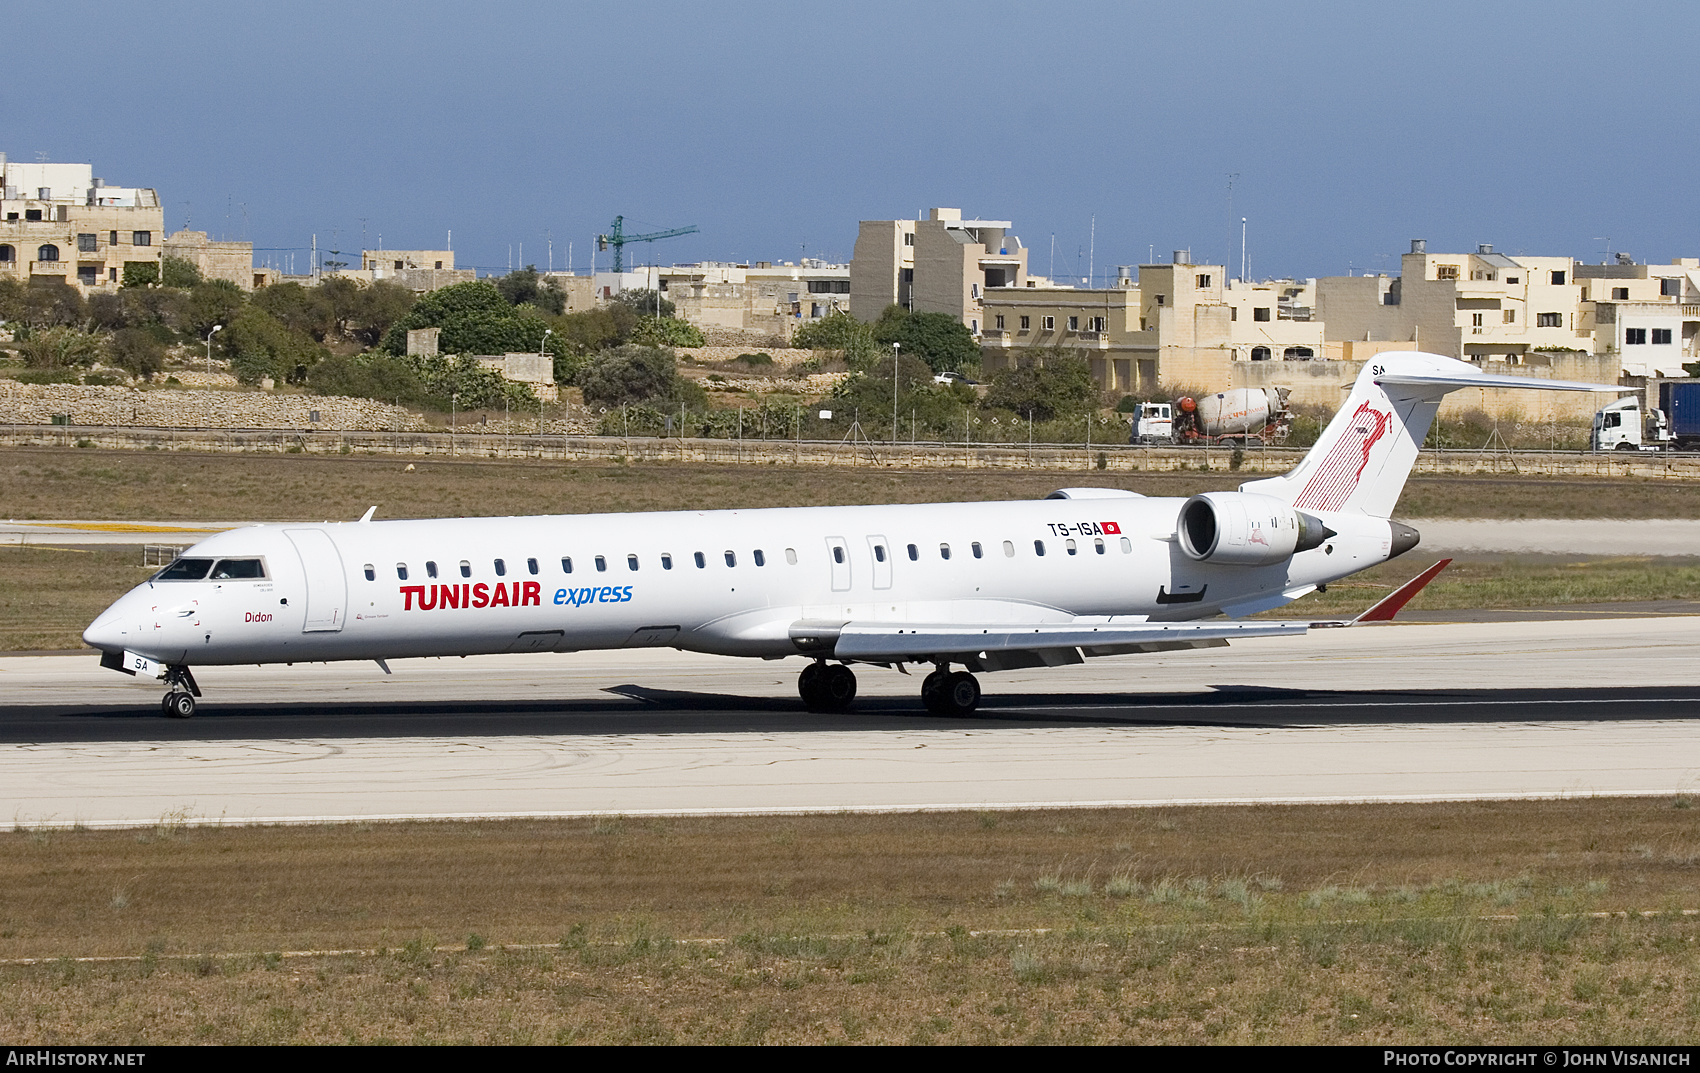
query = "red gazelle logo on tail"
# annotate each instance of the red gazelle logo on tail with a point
(1338, 473)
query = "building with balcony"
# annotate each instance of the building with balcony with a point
(59, 222)
(943, 264)
(766, 297)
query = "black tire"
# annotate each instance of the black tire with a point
(1624, 447)
(838, 687)
(809, 687)
(961, 693)
(933, 692)
(180, 705)
(165, 704)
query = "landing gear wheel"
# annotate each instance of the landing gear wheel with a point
(933, 692)
(179, 705)
(961, 694)
(827, 688)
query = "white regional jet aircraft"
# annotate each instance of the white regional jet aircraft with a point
(986, 586)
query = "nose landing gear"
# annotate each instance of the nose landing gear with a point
(179, 702)
(945, 692)
(827, 688)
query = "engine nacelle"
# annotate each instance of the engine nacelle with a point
(1245, 529)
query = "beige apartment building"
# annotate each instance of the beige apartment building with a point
(767, 297)
(59, 222)
(1180, 323)
(1488, 307)
(943, 264)
(417, 270)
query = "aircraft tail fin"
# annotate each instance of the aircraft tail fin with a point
(1361, 460)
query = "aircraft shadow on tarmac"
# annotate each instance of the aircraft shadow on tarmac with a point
(633, 709)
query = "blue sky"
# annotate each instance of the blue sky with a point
(1542, 128)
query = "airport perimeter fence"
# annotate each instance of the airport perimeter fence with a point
(1252, 459)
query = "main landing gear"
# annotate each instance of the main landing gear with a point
(179, 701)
(831, 687)
(947, 692)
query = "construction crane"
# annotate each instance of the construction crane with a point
(617, 238)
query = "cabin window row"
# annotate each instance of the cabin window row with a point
(633, 563)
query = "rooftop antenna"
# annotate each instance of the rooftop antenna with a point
(1092, 255)
(1229, 263)
(1607, 241)
(1243, 276)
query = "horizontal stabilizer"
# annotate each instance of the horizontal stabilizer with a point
(1452, 381)
(1390, 605)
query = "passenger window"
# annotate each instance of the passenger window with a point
(1038, 547)
(238, 570)
(914, 553)
(837, 554)
(1127, 546)
(530, 564)
(401, 571)
(1098, 545)
(465, 568)
(944, 551)
(185, 570)
(791, 556)
(1009, 549)
(978, 551)
(566, 564)
(666, 561)
(631, 562)
(1069, 543)
(760, 558)
(701, 561)
(371, 574)
(601, 564)
(879, 552)
(431, 569)
(501, 568)
(731, 558)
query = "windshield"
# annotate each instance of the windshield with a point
(185, 570)
(238, 569)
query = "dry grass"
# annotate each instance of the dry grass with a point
(47, 595)
(60, 483)
(1269, 924)
(1509, 582)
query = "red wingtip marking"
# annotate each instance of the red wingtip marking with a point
(1390, 605)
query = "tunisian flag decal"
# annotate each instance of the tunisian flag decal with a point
(1112, 528)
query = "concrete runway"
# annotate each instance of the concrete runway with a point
(1414, 712)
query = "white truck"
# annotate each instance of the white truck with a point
(1237, 416)
(1621, 426)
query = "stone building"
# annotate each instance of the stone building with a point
(943, 264)
(233, 261)
(57, 221)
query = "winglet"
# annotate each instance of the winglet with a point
(1389, 605)
(369, 512)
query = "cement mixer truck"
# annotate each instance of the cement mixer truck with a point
(1238, 416)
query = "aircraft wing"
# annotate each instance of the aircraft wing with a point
(1011, 646)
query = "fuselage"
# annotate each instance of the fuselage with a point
(729, 581)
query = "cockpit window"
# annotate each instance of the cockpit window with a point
(185, 570)
(239, 570)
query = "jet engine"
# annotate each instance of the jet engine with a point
(1245, 529)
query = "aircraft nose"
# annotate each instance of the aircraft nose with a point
(106, 631)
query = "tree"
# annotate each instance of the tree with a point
(666, 331)
(939, 339)
(476, 319)
(136, 351)
(215, 301)
(837, 331)
(51, 304)
(140, 273)
(370, 376)
(1045, 385)
(644, 301)
(59, 347)
(636, 375)
(106, 311)
(301, 309)
(381, 305)
(179, 273)
(261, 346)
(527, 286)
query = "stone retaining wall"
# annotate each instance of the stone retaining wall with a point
(38, 404)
